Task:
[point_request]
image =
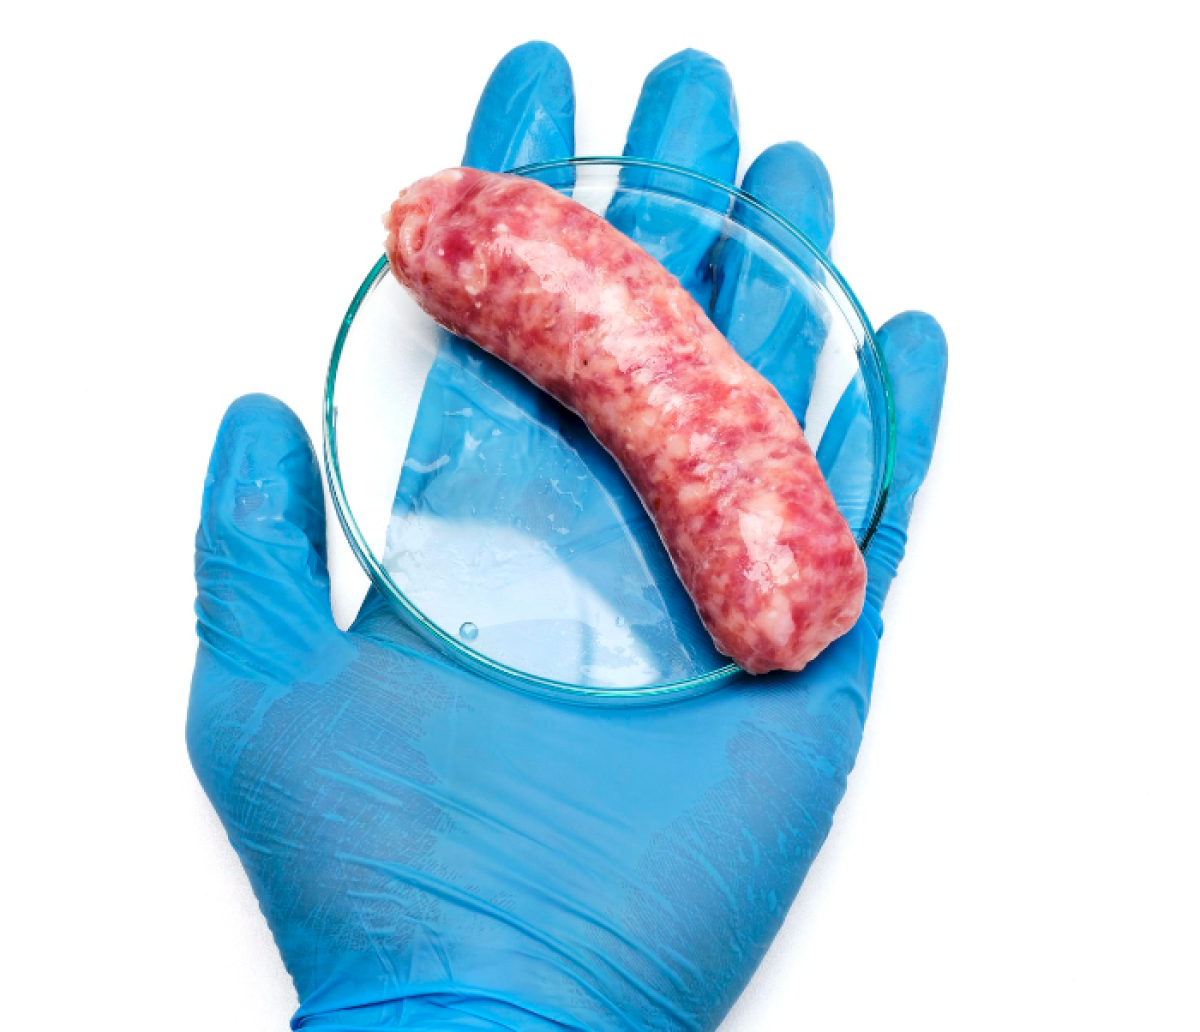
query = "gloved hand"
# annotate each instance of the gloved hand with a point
(434, 851)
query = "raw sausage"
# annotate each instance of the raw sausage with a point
(713, 451)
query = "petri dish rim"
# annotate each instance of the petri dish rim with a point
(478, 662)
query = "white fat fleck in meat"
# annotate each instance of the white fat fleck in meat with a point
(473, 275)
(772, 563)
(675, 447)
(558, 272)
(665, 398)
(774, 620)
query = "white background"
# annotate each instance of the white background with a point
(191, 194)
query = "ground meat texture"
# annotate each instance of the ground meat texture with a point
(713, 451)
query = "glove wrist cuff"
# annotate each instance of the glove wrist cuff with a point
(444, 1010)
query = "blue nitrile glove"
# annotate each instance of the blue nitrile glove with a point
(433, 851)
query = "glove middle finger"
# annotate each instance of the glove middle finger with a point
(687, 116)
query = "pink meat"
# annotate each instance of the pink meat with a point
(712, 450)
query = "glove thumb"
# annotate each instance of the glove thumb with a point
(262, 586)
(914, 348)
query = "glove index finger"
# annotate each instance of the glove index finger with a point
(526, 113)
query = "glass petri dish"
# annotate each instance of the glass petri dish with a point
(493, 521)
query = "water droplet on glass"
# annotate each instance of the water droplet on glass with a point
(468, 632)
